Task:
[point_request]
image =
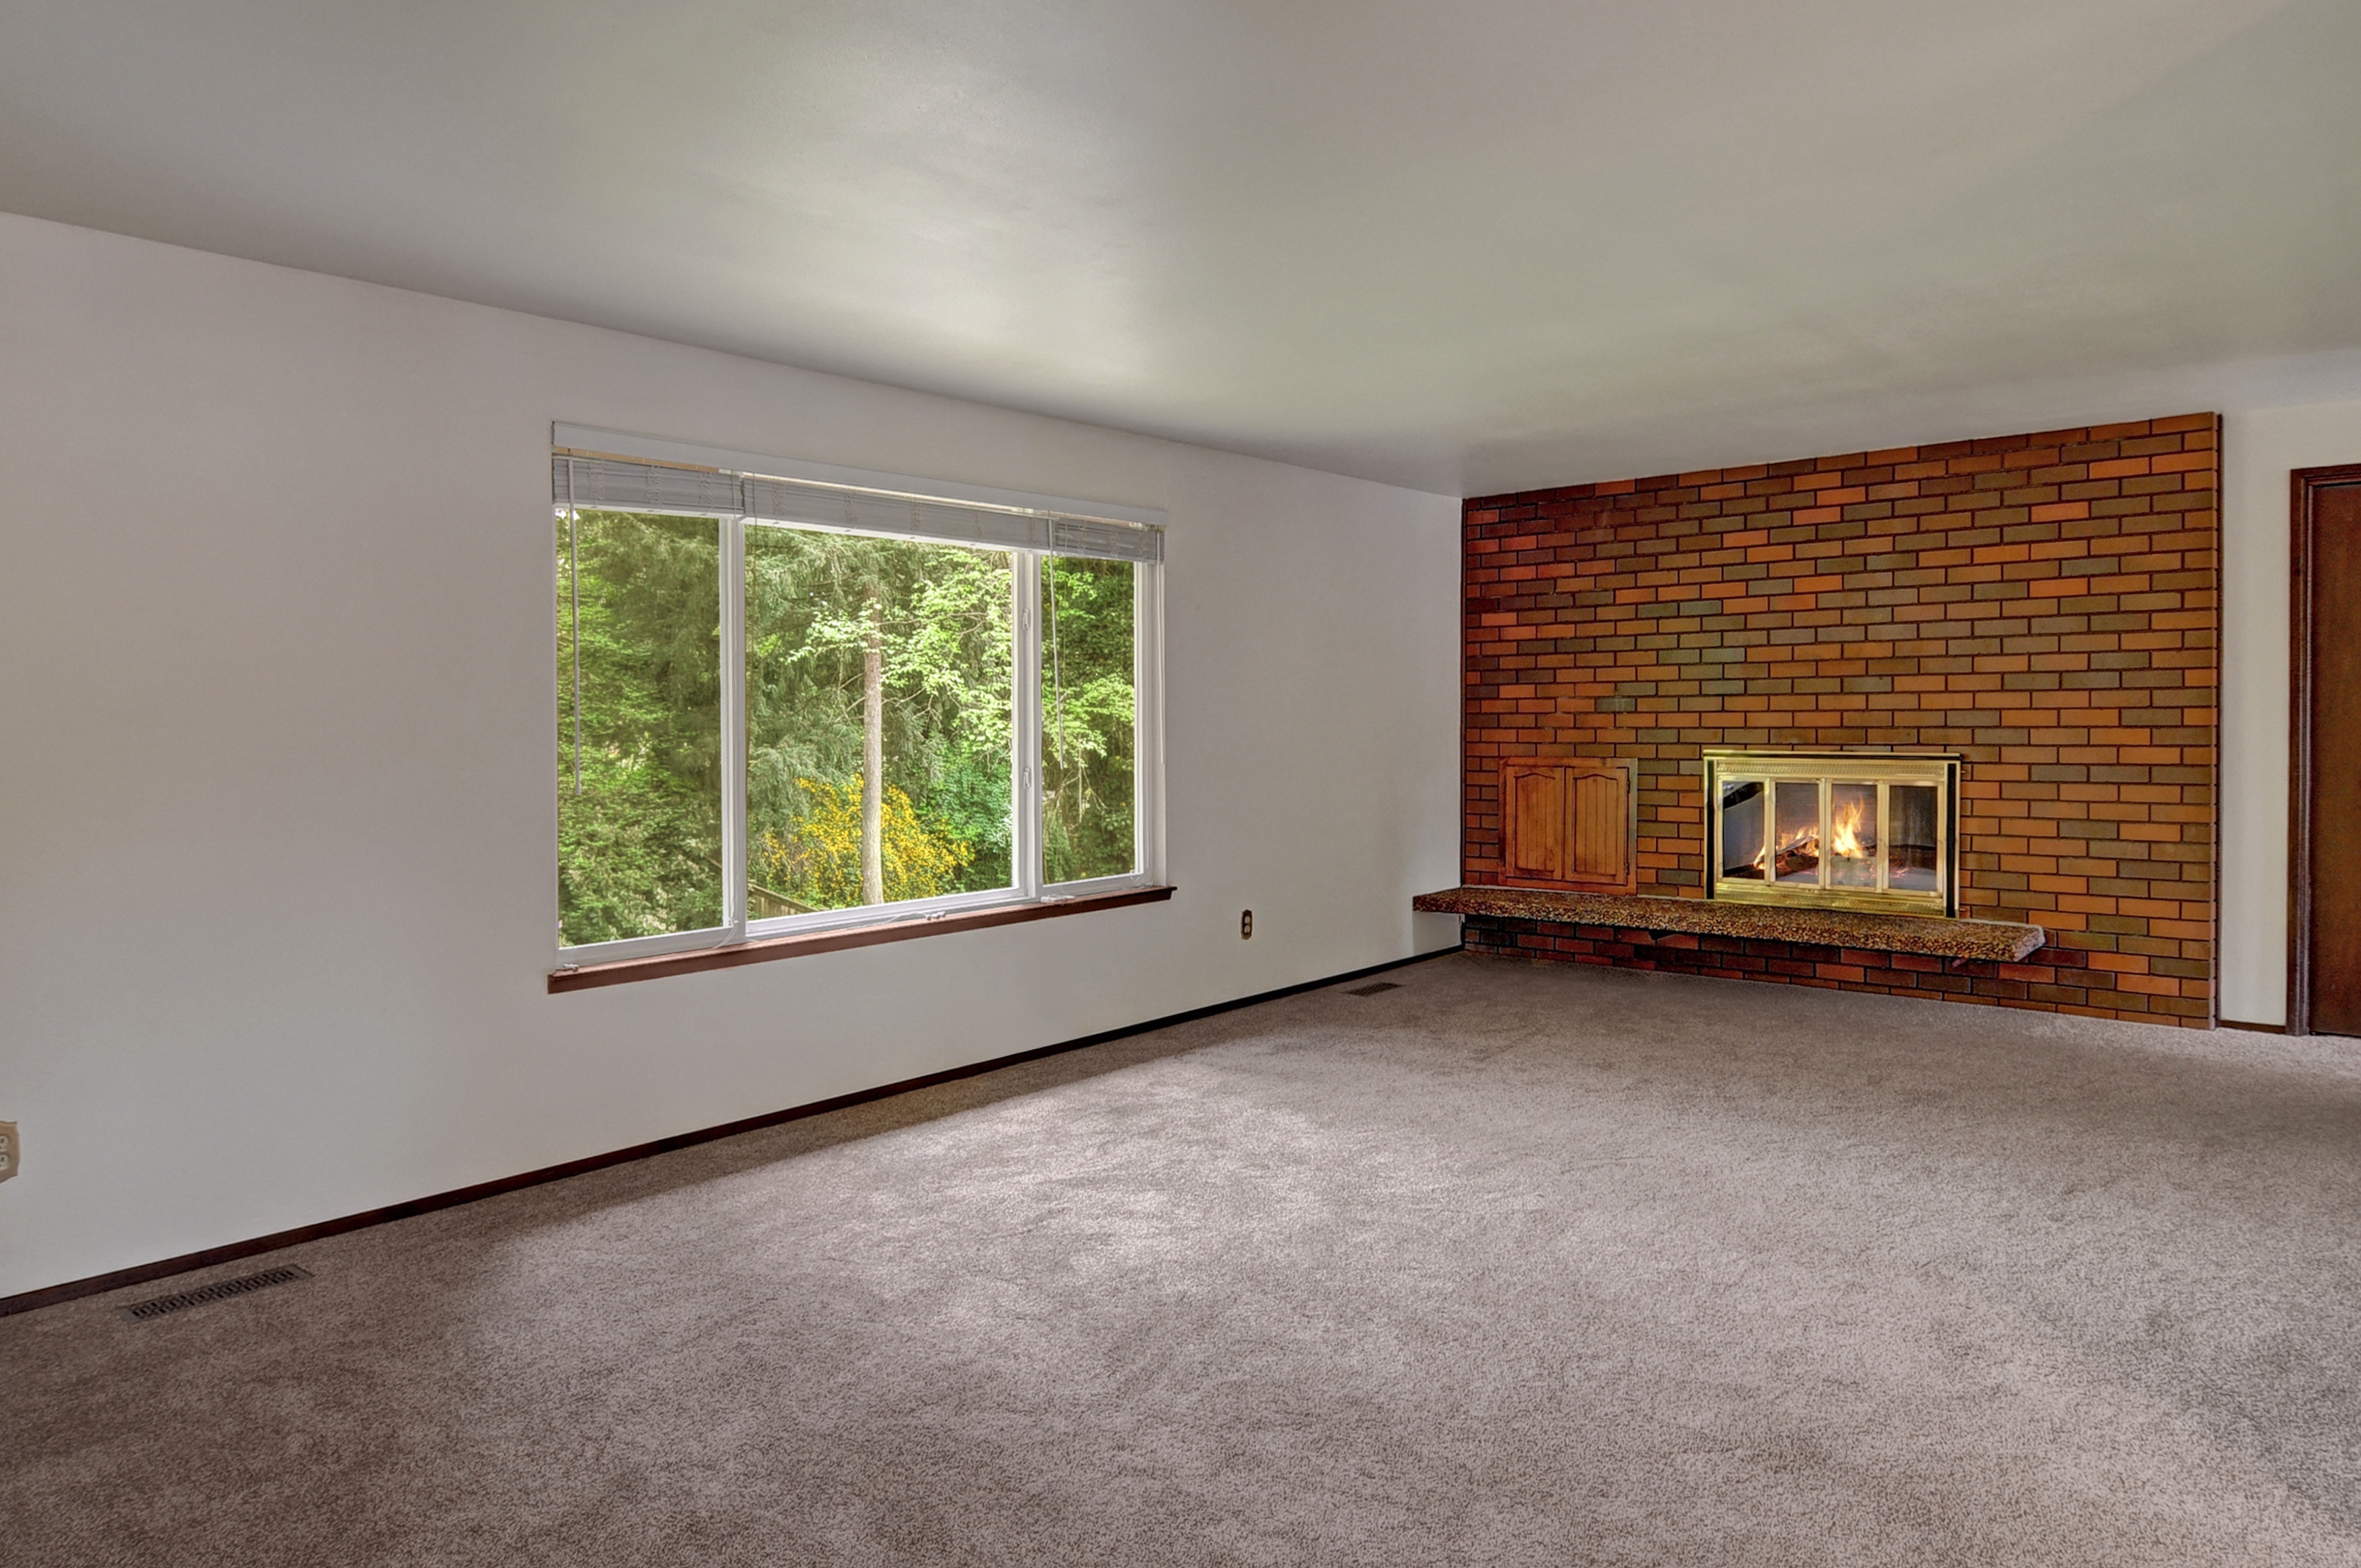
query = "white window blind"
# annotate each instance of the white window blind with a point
(609, 484)
(598, 484)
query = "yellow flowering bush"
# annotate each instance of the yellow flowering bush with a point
(817, 861)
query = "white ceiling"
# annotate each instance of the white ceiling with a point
(1465, 246)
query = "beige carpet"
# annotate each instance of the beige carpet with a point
(1511, 1265)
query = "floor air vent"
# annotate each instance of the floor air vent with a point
(222, 1290)
(1373, 990)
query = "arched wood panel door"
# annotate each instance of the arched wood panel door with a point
(2324, 892)
(1570, 822)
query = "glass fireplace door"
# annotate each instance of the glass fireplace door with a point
(1843, 829)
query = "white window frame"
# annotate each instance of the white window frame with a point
(1024, 771)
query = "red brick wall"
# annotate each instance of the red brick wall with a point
(2043, 605)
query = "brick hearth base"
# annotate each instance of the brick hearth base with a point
(2054, 979)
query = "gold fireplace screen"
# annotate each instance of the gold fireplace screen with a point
(1843, 829)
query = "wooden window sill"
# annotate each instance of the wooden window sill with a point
(623, 971)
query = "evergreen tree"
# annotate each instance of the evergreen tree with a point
(639, 818)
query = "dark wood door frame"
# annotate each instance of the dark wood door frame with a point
(2303, 504)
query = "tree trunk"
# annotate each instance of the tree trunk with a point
(872, 757)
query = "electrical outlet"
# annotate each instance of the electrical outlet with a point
(12, 1150)
(1245, 925)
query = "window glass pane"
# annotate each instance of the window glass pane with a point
(1742, 829)
(1911, 838)
(1852, 835)
(639, 798)
(880, 705)
(1795, 854)
(1089, 712)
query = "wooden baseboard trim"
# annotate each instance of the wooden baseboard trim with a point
(2250, 1028)
(140, 1274)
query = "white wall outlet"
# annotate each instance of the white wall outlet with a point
(12, 1150)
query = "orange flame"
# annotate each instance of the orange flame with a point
(1844, 832)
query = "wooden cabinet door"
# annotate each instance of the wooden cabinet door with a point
(1535, 825)
(1603, 827)
(1568, 822)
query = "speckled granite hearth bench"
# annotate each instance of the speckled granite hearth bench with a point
(1985, 941)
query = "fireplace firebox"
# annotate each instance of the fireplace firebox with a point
(1835, 830)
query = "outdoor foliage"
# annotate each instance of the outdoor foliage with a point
(640, 849)
(640, 839)
(821, 852)
(1087, 720)
(940, 616)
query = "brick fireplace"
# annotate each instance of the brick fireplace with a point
(2042, 607)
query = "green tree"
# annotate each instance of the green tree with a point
(638, 819)
(1088, 718)
(936, 619)
(850, 642)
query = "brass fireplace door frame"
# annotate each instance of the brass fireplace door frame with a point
(1828, 768)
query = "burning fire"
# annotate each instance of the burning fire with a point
(1802, 851)
(1844, 832)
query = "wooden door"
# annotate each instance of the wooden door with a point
(1601, 835)
(2325, 990)
(1568, 822)
(1535, 822)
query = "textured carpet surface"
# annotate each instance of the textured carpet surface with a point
(1510, 1264)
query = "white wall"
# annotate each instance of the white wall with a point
(2260, 448)
(277, 809)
